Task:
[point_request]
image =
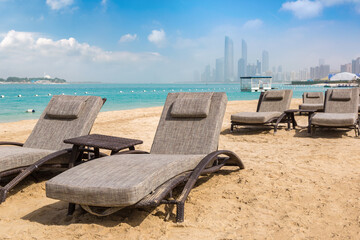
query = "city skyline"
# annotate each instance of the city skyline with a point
(219, 73)
(166, 41)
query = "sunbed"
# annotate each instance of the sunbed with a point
(340, 110)
(185, 147)
(64, 117)
(312, 101)
(270, 110)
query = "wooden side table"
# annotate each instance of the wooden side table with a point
(97, 141)
(290, 118)
(290, 115)
(310, 113)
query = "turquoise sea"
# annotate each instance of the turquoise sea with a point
(119, 96)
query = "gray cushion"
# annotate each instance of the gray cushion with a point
(191, 107)
(65, 109)
(254, 117)
(311, 106)
(118, 180)
(313, 95)
(334, 119)
(340, 95)
(14, 157)
(274, 95)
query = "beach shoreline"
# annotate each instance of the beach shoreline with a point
(293, 187)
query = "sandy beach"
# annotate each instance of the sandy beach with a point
(294, 187)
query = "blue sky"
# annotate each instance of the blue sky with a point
(166, 41)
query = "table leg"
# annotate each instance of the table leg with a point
(74, 155)
(96, 152)
(294, 123)
(309, 121)
(113, 152)
(71, 209)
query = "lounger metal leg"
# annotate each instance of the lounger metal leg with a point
(232, 128)
(180, 209)
(71, 209)
(3, 194)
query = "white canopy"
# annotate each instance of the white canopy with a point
(343, 76)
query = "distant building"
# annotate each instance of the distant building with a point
(303, 74)
(241, 68)
(346, 68)
(258, 67)
(228, 60)
(265, 61)
(279, 68)
(219, 70)
(355, 66)
(321, 61)
(251, 70)
(206, 76)
(244, 51)
(319, 72)
(324, 71)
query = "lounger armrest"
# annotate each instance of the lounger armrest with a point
(12, 143)
(200, 169)
(132, 152)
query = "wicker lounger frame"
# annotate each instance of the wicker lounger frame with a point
(163, 194)
(23, 172)
(273, 121)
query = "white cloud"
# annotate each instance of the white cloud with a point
(158, 37)
(70, 59)
(309, 9)
(103, 2)
(303, 8)
(253, 24)
(29, 44)
(59, 4)
(128, 38)
(337, 2)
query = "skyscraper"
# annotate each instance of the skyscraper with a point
(228, 60)
(244, 51)
(353, 66)
(241, 68)
(265, 61)
(219, 70)
(258, 67)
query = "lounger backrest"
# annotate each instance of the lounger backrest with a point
(342, 100)
(190, 123)
(64, 117)
(275, 101)
(313, 97)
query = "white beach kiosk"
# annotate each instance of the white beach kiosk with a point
(255, 83)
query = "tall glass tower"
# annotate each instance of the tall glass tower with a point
(228, 60)
(244, 51)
